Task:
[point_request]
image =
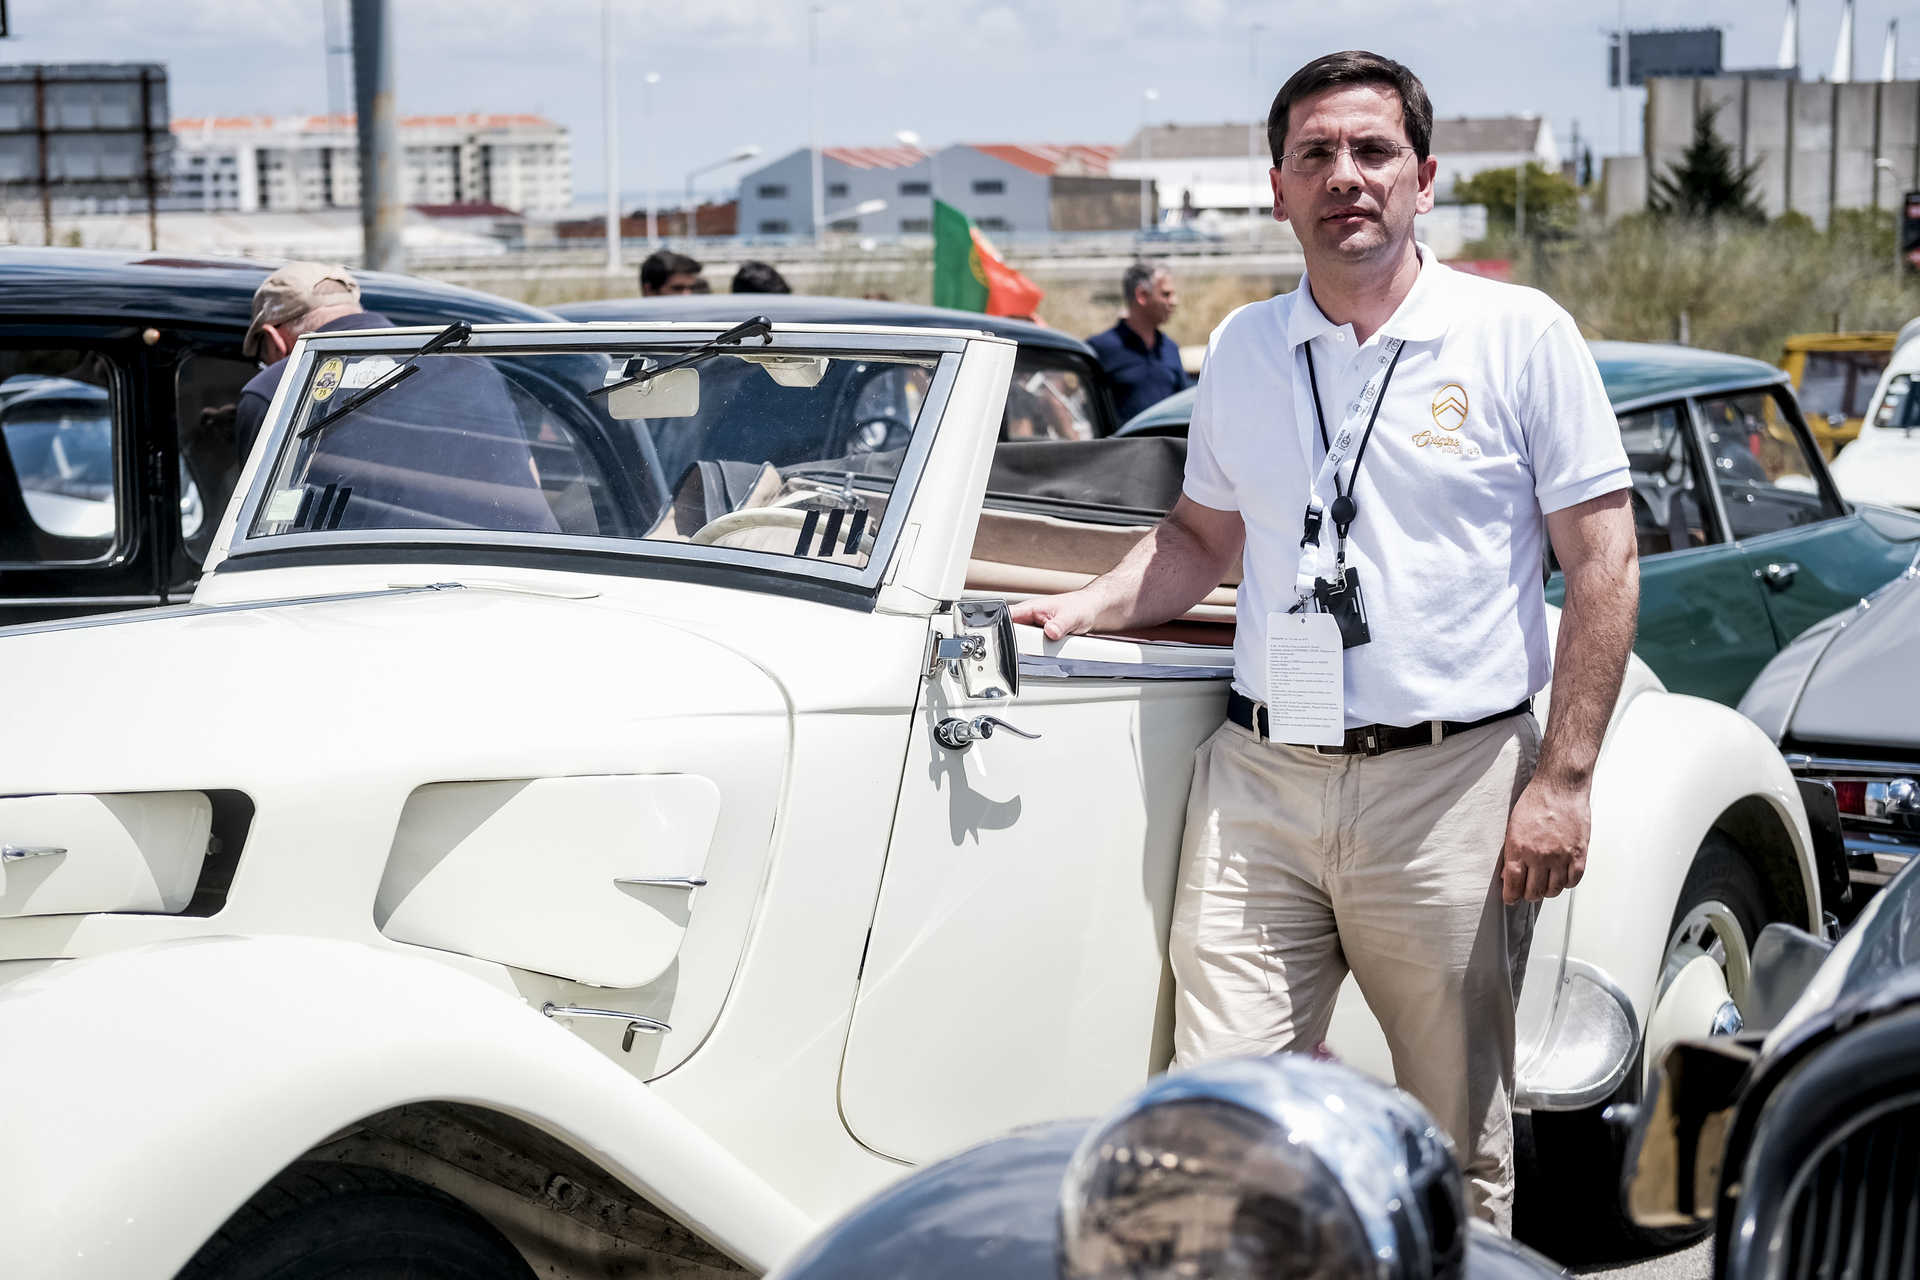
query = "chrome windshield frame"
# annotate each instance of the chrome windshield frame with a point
(945, 348)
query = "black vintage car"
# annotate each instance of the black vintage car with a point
(1800, 1138)
(1058, 392)
(1843, 702)
(118, 378)
(1237, 1170)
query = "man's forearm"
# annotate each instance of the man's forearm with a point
(1596, 635)
(1167, 573)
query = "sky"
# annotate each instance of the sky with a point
(735, 72)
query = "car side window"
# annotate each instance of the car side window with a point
(1669, 509)
(1839, 382)
(61, 471)
(206, 390)
(1048, 400)
(1764, 468)
(1899, 407)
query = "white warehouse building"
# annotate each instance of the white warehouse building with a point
(253, 164)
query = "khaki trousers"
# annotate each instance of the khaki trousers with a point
(1298, 867)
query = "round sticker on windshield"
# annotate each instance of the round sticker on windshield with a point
(325, 382)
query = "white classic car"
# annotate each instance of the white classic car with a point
(614, 822)
(1882, 465)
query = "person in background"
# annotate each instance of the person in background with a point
(758, 277)
(667, 274)
(301, 297)
(1142, 363)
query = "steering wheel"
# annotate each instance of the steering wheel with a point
(793, 518)
(858, 440)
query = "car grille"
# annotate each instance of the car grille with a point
(1856, 1212)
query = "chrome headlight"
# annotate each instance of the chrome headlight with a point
(1265, 1167)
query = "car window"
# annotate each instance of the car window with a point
(792, 454)
(206, 389)
(1900, 407)
(1048, 399)
(60, 468)
(1669, 513)
(1763, 467)
(1839, 382)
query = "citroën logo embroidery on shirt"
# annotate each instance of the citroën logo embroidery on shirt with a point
(1449, 410)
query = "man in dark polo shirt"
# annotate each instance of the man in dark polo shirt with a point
(1142, 363)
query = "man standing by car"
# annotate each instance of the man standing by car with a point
(666, 274)
(1380, 449)
(1142, 362)
(301, 297)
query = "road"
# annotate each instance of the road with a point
(1695, 1263)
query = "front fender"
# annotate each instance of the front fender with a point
(149, 1092)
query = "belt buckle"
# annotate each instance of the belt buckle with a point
(1370, 744)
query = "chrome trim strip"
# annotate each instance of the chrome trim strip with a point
(1835, 766)
(162, 612)
(1043, 667)
(663, 882)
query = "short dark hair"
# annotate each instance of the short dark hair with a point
(1355, 66)
(759, 277)
(662, 264)
(1138, 276)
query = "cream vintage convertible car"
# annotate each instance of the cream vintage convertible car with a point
(616, 823)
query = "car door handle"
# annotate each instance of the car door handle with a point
(957, 735)
(21, 852)
(1779, 574)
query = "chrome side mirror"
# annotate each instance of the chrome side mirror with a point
(981, 653)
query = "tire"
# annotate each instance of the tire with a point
(1569, 1197)
(343, 1222)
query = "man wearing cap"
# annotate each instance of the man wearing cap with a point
(301, 297)
(1381, 451)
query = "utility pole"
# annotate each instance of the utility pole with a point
(813, 124)
(1253, 132)
(646, 123)
(612, 132)
(381, 211)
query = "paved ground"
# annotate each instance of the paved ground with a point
(1688, 1264)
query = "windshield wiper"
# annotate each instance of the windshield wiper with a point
(454, 335)
(757, 327)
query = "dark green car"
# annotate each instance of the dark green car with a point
(1744, 541)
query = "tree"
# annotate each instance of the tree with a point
(1552, 202)
(1707, 183)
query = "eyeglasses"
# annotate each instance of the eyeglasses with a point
(1369, 157)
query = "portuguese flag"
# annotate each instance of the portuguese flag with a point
(969, 276)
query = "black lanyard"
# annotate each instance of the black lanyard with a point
(1342, 507)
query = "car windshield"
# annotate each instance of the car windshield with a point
(779, 450)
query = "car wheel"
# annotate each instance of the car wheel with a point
(350, 1222)
(1570, 1194)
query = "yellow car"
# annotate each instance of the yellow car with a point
(1834, 375)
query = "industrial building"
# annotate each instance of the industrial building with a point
(290, 164)
(1006, 188)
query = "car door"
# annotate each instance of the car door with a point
(1703, 627)
(1810, 555)
(75, 466)
(1015, 970)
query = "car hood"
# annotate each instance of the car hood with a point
(453, 681)
(1853, 674)
(1881, 466)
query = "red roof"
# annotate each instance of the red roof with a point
(1048, 158)
(475, 209)
(323, 124)
(875, 157)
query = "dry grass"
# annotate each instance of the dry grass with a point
(1741, 289)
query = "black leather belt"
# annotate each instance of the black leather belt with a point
(1367, 739)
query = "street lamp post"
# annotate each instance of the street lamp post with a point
(735, 156)
(646, 123)
(612, 136)
(1147, 100)
(813, 122)
(1879, 163)
(860, 210)
(1253, 131)
(908, 138)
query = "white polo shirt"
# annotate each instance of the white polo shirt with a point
(1494, 416)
